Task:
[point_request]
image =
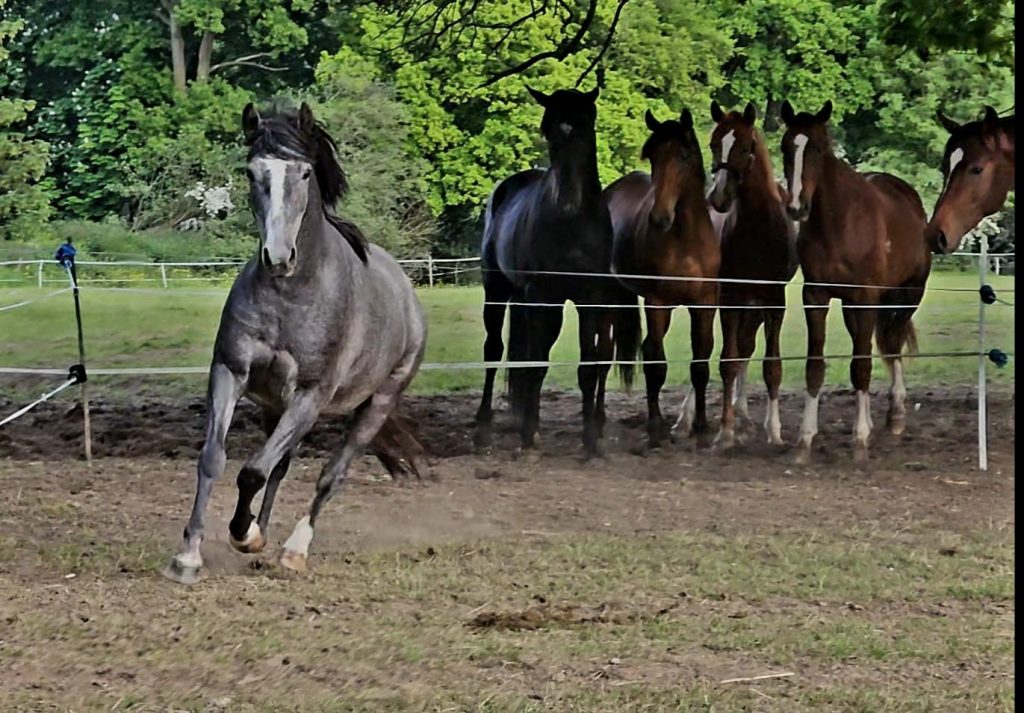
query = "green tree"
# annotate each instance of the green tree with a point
(24, 197)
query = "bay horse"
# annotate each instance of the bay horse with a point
(758, 243)
(861, 240)
(662, 228)
(978, 172)
(540, 224)
(317, 320)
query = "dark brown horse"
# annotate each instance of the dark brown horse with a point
(547, 239)
(855, 229)
(662, 227)
(978, 168)
(758, 243)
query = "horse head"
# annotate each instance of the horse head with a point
(977, 171)
(734, 143)
(676, 164)
(805, 146)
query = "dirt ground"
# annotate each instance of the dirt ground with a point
(86, 623)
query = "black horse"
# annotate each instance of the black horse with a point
(556, 220)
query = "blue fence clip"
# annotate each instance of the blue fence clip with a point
(998, 357)
(66, 255)
(988, 295)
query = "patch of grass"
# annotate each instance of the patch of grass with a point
(176, 327)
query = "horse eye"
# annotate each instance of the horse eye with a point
(250, 174)
(305, 175)
(976, 169)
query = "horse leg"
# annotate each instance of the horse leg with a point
(276, 476)
(815, 312)
(223, 393)
(545, 325)
(496, 290)
(860, 323)
(746, 341)
(605, 353)
(295, 422)
(659, 319)
(702, 337)
(518, 349)
(730, 370)
(588, 375)
(370, 417)
(773, 374)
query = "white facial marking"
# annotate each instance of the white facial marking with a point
(955, 158)
(300, 538)
(809, 427)
(727, 141)
(566, 128)
(862, 429)
(800, 141)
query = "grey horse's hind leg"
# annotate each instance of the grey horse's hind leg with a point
(300, 416)
(224, 391)
(370, 417)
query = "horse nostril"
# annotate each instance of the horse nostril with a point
(942, 243)
(266, 257)
(291, 256)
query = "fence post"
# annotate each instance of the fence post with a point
(39, 274)
(163, 274)
(982, 405)
(430, 270)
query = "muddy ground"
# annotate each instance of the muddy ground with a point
(86, 623)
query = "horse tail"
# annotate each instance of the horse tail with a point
(627, 339)
(895, 334)
(397, 448)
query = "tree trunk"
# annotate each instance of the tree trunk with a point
(177, 50)
(205, 57)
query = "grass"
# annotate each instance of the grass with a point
(176, 327)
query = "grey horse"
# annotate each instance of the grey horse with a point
(319, 320)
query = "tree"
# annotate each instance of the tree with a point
(24, 198)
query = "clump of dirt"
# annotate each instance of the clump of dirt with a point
(562, 615)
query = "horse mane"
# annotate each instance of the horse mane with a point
(673, 130)
(761, 148)
(280, 133)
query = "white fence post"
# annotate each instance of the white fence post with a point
(39, 274)
(430, 271)
(982, 405)
(163, 275)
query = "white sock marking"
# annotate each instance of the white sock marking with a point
(686, 414)
(899, 390)
(773, 422)
(809, 427)
(300, 538)
(862, 429)
(739, 396)
(251, 535)
(800, 141)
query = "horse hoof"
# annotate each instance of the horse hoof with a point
(252, 543)
(180, 573)
(803, 455)
(860, 453)
(482, 438)
(724, 441)
(295, 561)
(775, 439)
(897, 426)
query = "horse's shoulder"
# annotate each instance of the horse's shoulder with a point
(895, 187)
(513, 184)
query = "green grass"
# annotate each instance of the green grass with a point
(176, 327)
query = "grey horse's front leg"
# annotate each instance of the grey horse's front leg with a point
(300, 416)
(259, 541)
(225, 389)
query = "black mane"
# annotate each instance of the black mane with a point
(283, 133)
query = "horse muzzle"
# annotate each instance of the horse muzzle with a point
(799, 214)
(939, 243)
(278, 267)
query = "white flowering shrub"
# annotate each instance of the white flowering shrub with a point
(214, 201)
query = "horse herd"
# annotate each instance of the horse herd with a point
(321, 321)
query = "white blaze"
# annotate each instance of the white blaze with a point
(954, 159)
(721, 175)
(800, 141)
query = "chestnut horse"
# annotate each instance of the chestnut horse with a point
(662, 227)
(758, 243)
(978, 172)
(861, 241)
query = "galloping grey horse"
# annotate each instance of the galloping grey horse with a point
(318, 318)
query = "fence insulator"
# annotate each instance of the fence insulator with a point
(988, 295)
(998, 357)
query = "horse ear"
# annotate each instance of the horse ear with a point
(716, 112)
(749, 114)
(826, 112)
(652, 123)
(686, 119)
(538, 96)
(306, 119)
(787, 112)
(947, 123)
(593, 94)
(250, 123)
(991, 117)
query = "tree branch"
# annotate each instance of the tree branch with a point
(247, 61)
(607, 42)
